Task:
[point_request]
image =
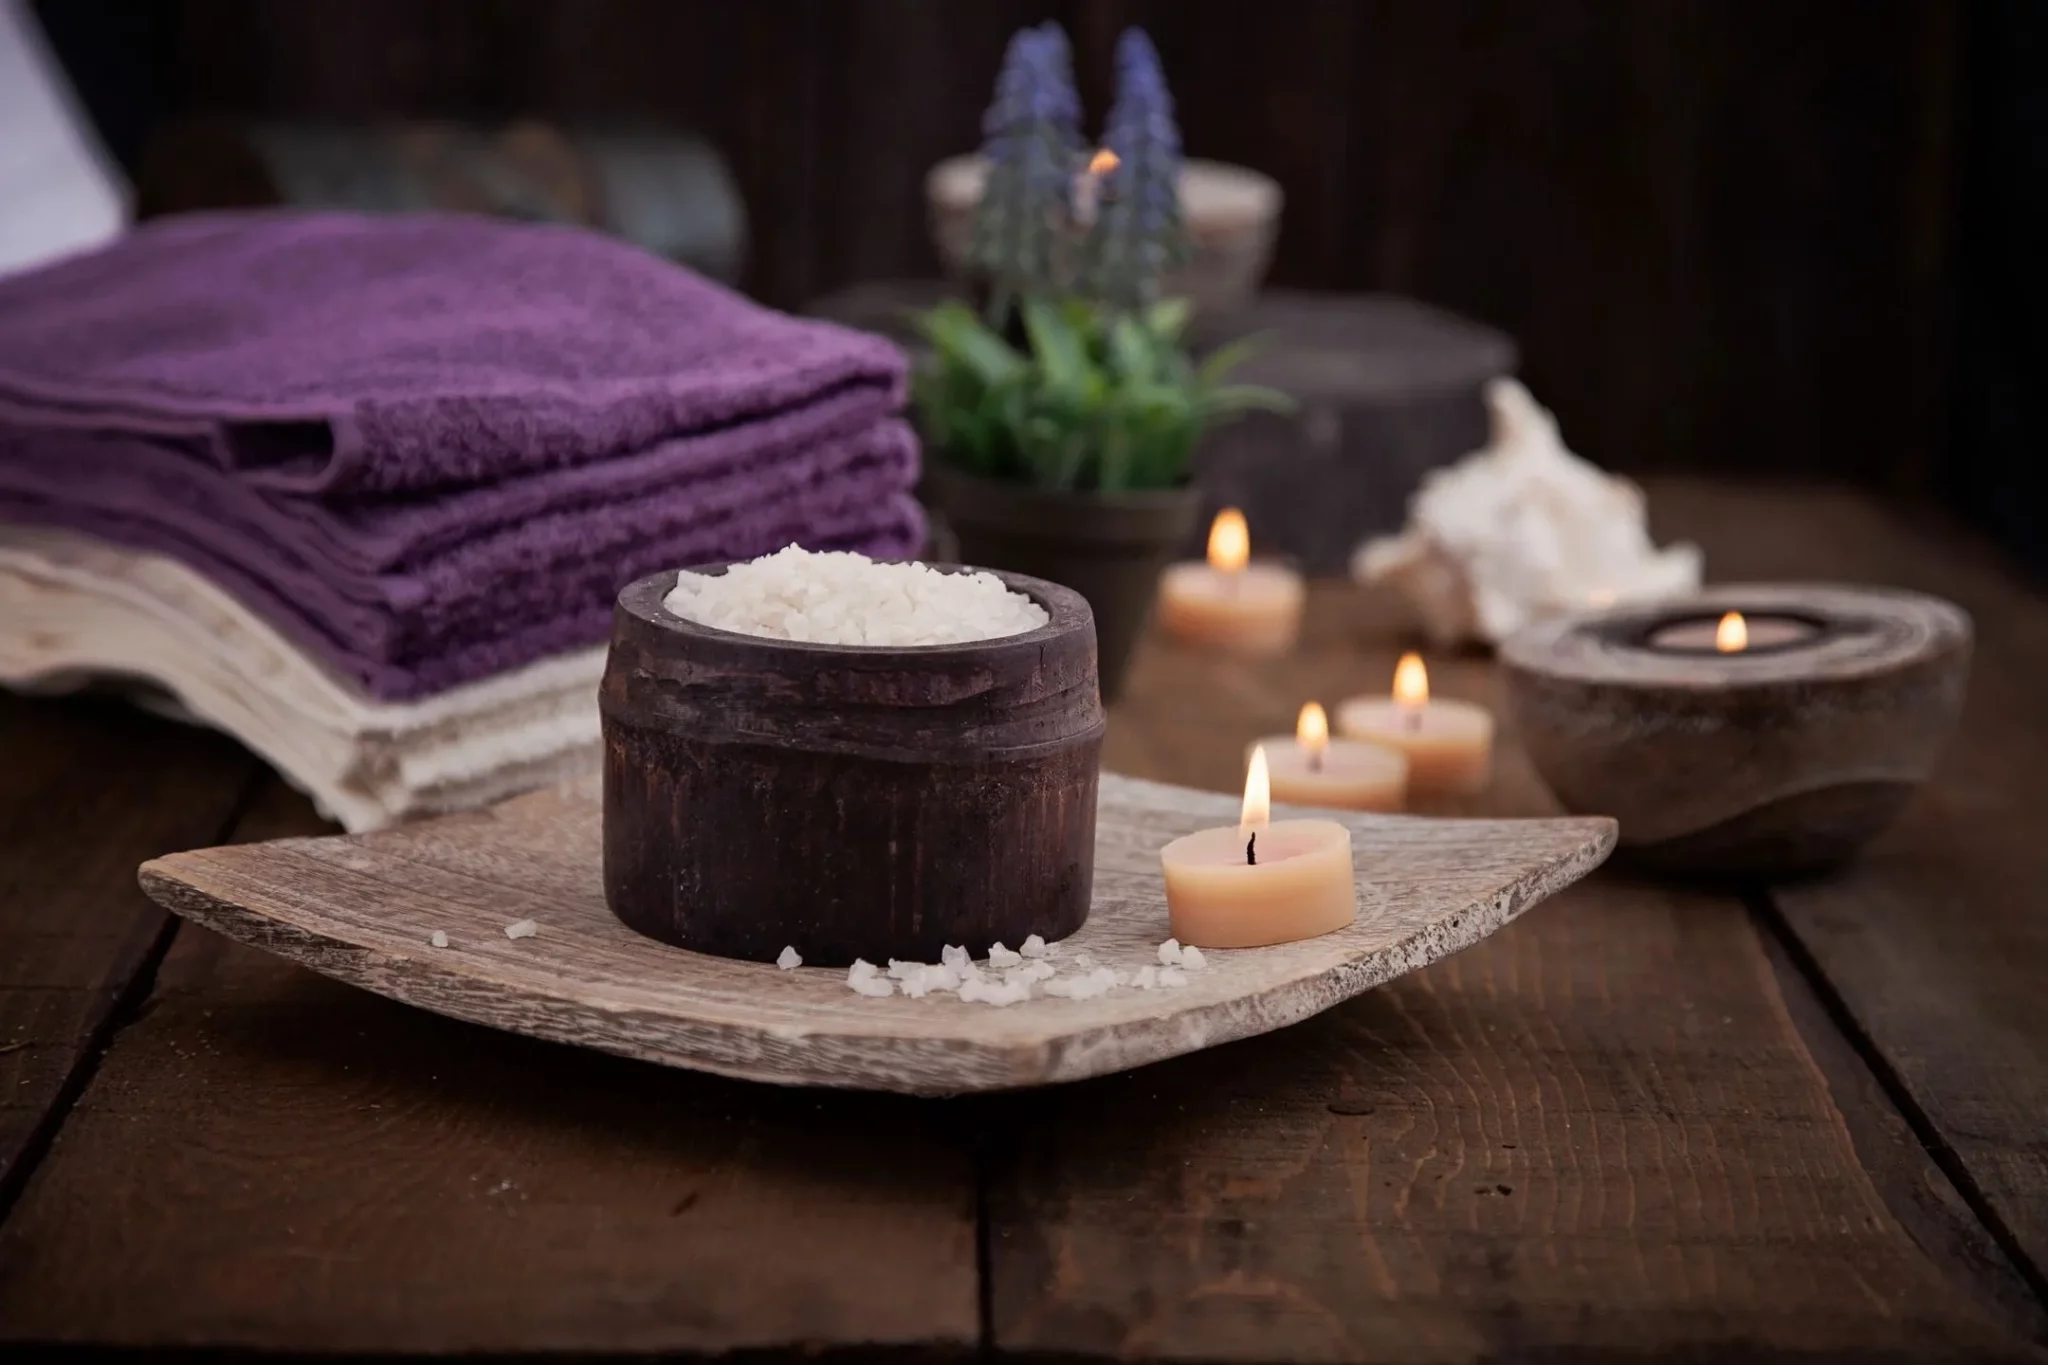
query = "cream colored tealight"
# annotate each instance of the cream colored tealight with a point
(1263, 882)
(1230, 603)
(1448, 744)
(1308, 768)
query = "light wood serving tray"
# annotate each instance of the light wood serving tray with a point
(361, 909)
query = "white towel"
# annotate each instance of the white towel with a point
(75, 610)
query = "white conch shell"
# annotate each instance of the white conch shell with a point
(1520, 531)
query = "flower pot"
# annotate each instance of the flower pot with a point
(1109, 547)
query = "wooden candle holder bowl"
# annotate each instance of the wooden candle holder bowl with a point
(1778, 761)
(847, 801)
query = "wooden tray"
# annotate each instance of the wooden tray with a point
(362, 908)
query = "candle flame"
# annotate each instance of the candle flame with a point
(1230, 541)
(1103, 162)
(1732, 635)
(1312, 731)
(1258, 794)
(1411, 681)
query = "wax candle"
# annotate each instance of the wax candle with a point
(1231, 603)
(1449, 744)
(1265, 881)
(1732, 633)
(1308, 768)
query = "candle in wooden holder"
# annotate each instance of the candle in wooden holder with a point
(1231, 603)
(1263, 882)
(1308, 768)
(1448, 744)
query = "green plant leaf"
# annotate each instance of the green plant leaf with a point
(1055, 345)
(1228, 357)
(1225, 399)
(1168, 318)
(961, 338)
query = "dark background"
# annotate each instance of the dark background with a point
(1739, 237)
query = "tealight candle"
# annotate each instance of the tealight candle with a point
(1263, 882)
(1732, 633)
(1449, 744)
(1308, 768)
(1231, 603)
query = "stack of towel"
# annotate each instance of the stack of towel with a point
(409, 461)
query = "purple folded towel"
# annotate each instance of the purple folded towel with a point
(457, 480)
(329, 352)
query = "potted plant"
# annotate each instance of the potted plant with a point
(1060, 417)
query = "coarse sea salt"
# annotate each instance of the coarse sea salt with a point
(439, 938)
(863, 977)
(1169, 953)
(840, 598)
(1034, 946)
(521, 928)
(789, 959)
(999, 956)
(1192, 960)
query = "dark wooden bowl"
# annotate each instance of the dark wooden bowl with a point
(1770, 763)
(846, 801)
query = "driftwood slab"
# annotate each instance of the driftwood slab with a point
(362, 909)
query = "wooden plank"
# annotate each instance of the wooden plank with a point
(361, 910)
(1934, 940)
(88, 789)
(1602, 1130)
(270, 1159)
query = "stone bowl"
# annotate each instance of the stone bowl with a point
(1232, 213)
(1780, 760)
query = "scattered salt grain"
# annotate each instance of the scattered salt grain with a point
(789, 959)
(1172, 976)
(1169, 953)
(994, 993)
(840, 598)
(1034, 946)
(1034, 971)
(439, 938)
(524, 928)
(864, 979)
(1146, 978)
(999, 956)
(1080, 987)
(955, 956)
(1084, 960)
(1192, 959)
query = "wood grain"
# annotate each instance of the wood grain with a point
(273, 1160)
(1933, 941)
(1599, 1134)
(87, 789)
(361, 909)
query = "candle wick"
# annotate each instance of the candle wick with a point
(1315, 760)
(1251, 850)
(1412, 717)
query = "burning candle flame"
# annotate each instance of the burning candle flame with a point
(1103, 162)
(1258, 795)
(1312, 731)
(1230, 541)
(1411, 681)
(1732, 635)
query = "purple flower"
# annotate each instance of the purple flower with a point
(1139, 232)
(1030, 136)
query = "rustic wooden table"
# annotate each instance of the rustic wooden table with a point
(1801, 1122)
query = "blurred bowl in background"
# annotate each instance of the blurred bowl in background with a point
(1233, 214)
